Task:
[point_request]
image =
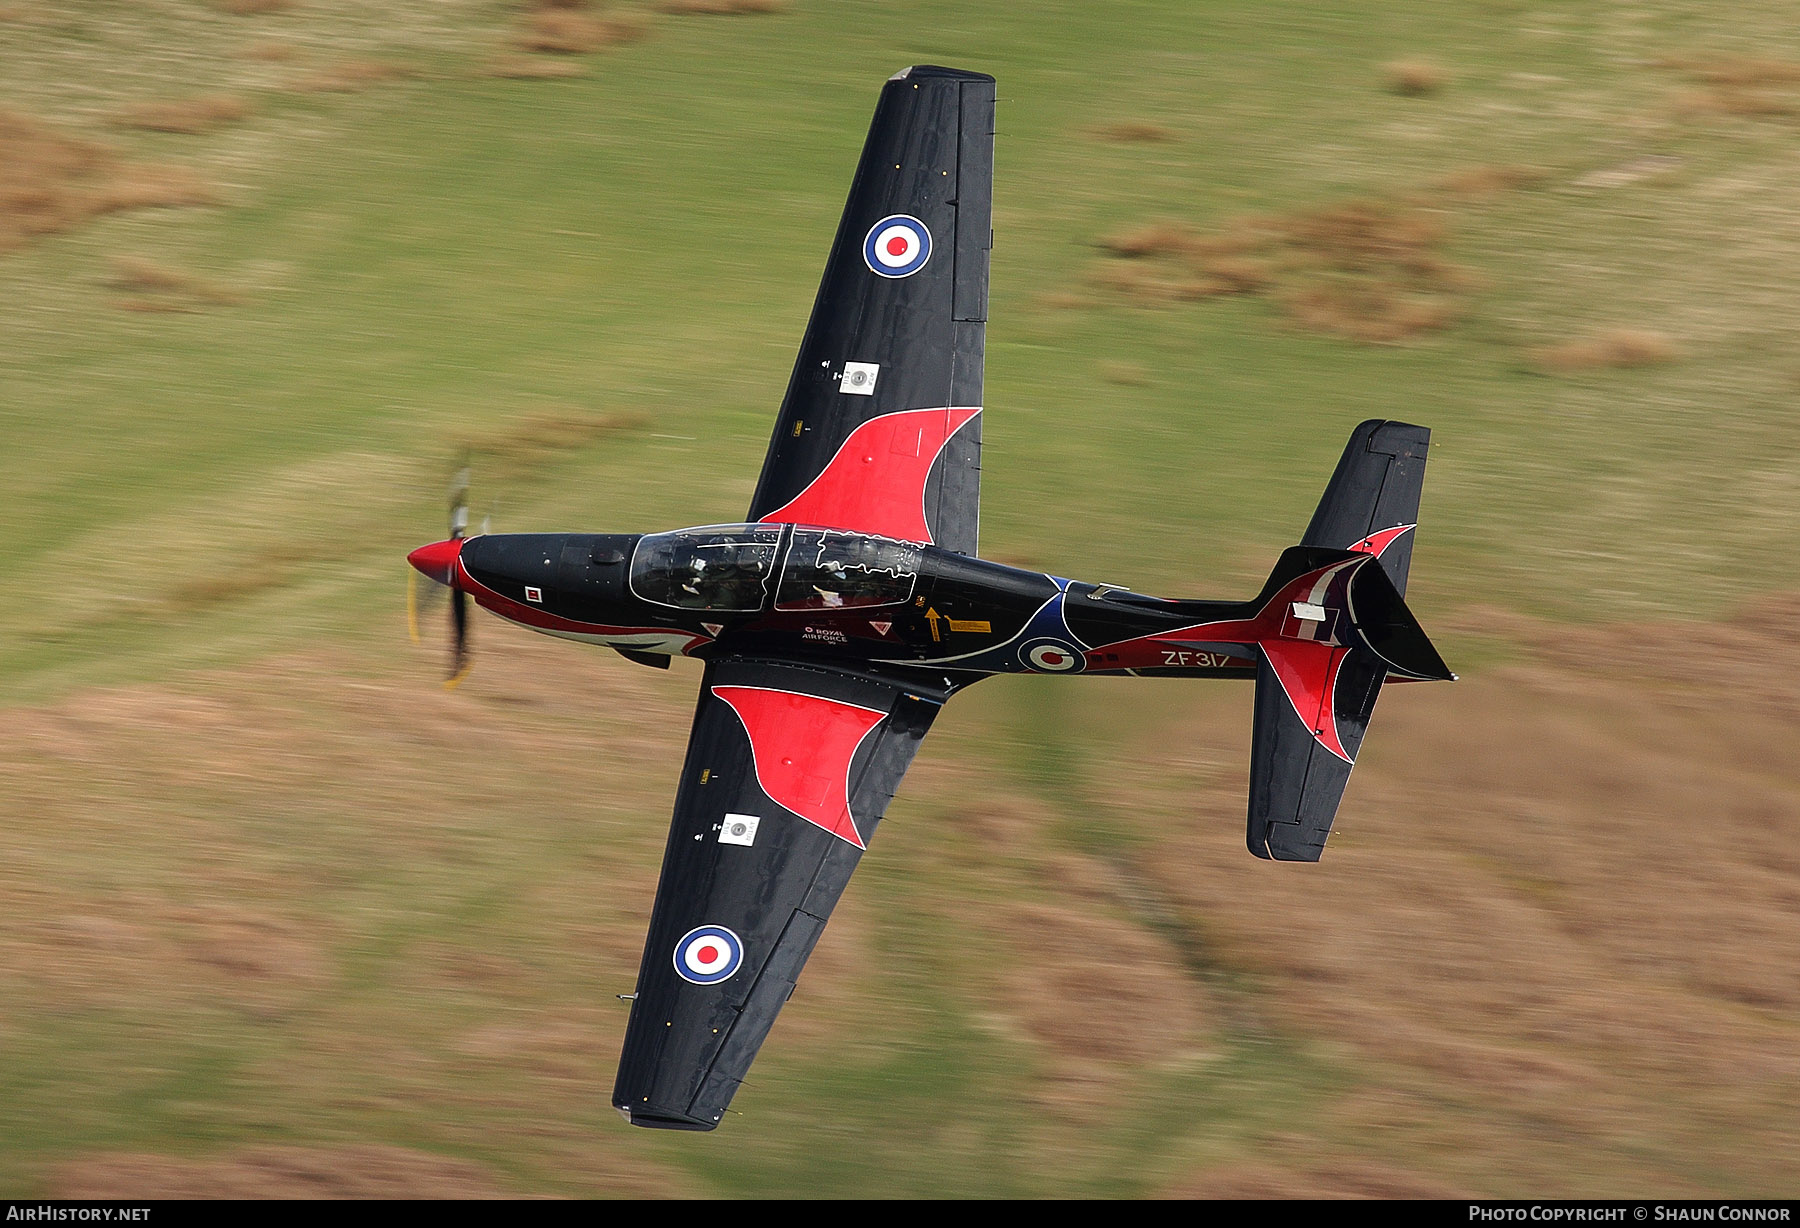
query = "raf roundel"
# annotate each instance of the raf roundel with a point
(708, 954)
(1050, 656)
(897, 246)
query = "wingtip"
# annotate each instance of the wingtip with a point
(938, 70)
(664, 1121)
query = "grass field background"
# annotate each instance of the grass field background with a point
(278, 915)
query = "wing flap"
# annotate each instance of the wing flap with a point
(974, 207)
(774, 986)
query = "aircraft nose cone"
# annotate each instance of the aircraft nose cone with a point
(438, 560)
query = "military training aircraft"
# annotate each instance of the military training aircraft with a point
(850, 606)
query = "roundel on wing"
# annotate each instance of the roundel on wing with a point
(1051, 656)
(897, 246)
(708, 954)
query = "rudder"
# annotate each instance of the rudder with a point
(1372, 500)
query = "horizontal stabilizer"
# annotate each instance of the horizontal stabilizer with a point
(1312, 709)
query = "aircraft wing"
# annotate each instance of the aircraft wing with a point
(789, 769)
(880, 431)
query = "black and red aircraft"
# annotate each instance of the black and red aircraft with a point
(837, 620)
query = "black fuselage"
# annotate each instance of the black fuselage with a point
(850, 599)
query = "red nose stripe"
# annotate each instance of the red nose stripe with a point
(437, 560)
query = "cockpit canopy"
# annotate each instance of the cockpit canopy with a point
(730, 568)
(727, 567)
(828, 569)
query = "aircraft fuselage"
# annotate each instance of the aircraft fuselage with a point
(798, 591)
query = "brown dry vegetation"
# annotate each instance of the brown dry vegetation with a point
(187, 115)
(1739, 85)
(150, 286)
(1617, 347)
(153, 185)
(369, 1171)
(721, 8)
(1555, 953)
(1367, 269)
(543, 434)
(211, 920)
(201, 591)
(352, 76)
(534, 67)
(1557, 919)
(1100, 997)
(1480, 181)
(253, 8)
(271, 51)
(1414, 78)
(51, 181)
(563, 31)
(1632, 170)
(1311, 1177)
(1130, 132)
(550, 31)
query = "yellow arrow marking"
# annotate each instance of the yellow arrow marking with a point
(980, 626)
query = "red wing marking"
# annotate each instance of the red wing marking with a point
(876, 482)
(1375, 543)
(1308, 672)
(801, 747)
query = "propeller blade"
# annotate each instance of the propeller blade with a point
(460, 663)
(459, 501)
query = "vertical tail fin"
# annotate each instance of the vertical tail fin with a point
(1317, 681)
(1372, 499)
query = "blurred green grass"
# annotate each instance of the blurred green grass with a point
(444, 256)
(438, 254)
